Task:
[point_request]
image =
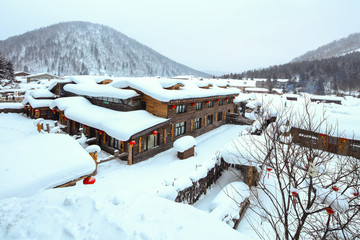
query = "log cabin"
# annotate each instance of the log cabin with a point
(36, 104)
(137, 118)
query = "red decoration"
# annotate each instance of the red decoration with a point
(335, 188)
(85, 126)
(54, 111)
(269, 170)
(25, 107)
(154, 133)
(218, 100)
(89, 180)
(322, 135)
(233, 97)
(207, 102)
(132, 143)
(294, 193)
(194, 104)
(330, 211)
(173, 107)
(343, 139)
(36, 110)
(356, 194)
(65, 118)
(100, 132)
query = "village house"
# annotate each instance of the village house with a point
(136, 118)
(41, 76)
(326, 99)
(37, 102)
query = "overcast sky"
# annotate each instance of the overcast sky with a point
(216, 35)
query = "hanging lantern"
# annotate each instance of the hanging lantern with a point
(65, 118)
(54, 111)
(173, 107)
(89, 180)
(132, 143)
(85, 126)
(323, 135)
(36, 110)
(100, 132)
(25, 107)
(330, 211)
(356, 194)
(335, 188)
(218, 100)
(207, 102)
(233, 97)
(269, 170)
(294, 194)
(227, 99)
(343, 140)
(154, 133)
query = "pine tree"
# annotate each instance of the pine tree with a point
(2, 67)
(9, 71)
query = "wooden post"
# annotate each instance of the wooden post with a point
(204, 121)
(130, 148)
(172, 132)
(48, 128)
(140, 144)
(39, 127)
(164, 136)
(191, 125)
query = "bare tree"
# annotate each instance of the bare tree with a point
(305, 191)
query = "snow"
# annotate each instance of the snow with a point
(32, 164)
(36, 103)
(81, 110)
(41, 93)
(12, 105)
(93, 148)
(184, 143)
(99, 90)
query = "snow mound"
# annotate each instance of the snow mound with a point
(184, 143)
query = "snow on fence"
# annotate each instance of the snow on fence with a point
(188, 189)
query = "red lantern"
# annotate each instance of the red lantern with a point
(233, 97)
(37, 110)
(294, 193)
(85, 126)
(207, 102)
(335, 188)
(323, 135)
(194, 104)
(343, 140)
(25, 107)
(100, 132)
(132, 143)
(173, 107)
(65, 118)
(154, 133)
(269, 170)
(89, 180)
(330, 211)
(356, 194)
(218, 100)
(54, 111)
(227, 99)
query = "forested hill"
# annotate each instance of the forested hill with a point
(85, 48)
(337, 73)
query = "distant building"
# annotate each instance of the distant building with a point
(41, 76)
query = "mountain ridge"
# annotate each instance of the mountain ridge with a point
(335, 48)
(77, 47)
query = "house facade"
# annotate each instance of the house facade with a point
(135, 119)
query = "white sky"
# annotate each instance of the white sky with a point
(216, 35)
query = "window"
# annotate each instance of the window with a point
(151, 141)
(198, 106)
(114, 143)
(308, 138)
(220, 116)
(197, 123)
(211, 104)
(180, 108)
(221, 102)
(354, 145)
(180, 129)
(333, 140)
(209, 119)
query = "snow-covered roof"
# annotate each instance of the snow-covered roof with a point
(41, 74)
(331, 98)
(36, 103)
(256, 90)
(155, 87)
(32, 164)
(11, 105)
(120, 125)
(56, 81)
(41, 93)
(99, 90)
(184, 143)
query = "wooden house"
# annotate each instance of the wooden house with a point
(41, 76)
(138, 118)
(37, 102)
(326, 99)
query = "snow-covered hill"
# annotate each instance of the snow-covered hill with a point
(334, 49)
(73, 48)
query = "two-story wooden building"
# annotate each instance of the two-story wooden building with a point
(137, 118)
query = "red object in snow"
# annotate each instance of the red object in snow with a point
(330, 211)
(89, 180)
(356, 194)
(173, 107)
(132, 143)
(335, 188)
(269, 170)
(194, 104)
(294, 194)
(154, 133)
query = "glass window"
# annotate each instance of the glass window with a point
(221, 102)
(180, 128)
(151, 141)
(180, 108)
(211, 104)
(220, 116)
(197, 123)
(198, 106)
(209, 119)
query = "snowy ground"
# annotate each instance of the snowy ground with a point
(122, 204)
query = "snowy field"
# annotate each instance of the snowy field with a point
(122, 204)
